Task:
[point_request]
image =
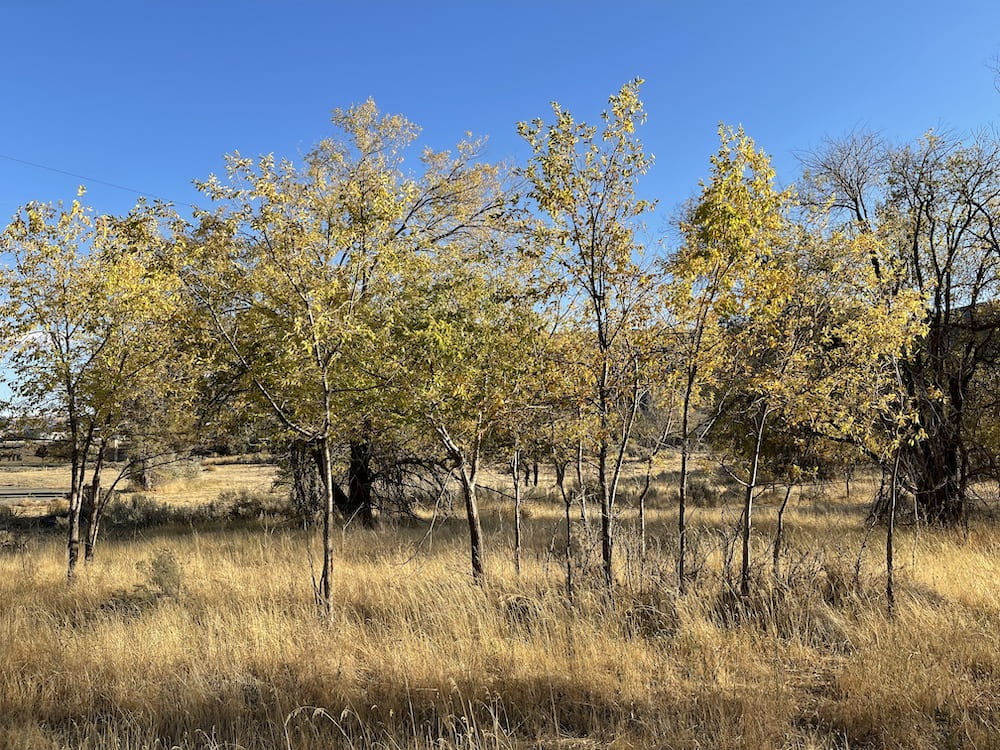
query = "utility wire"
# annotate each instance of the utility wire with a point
(94, 180)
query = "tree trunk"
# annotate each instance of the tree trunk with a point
(517, 509)
(890, 528)
(642, 524)
(468, 478)
(938, 461)
(683, 488)
(776, 551)
(78, 467)
(534, 473)
(359, 484)
(326, 477)
(75, 506)
(748, 505)
(582, 493)
(307, 485)
(607, 520)
(939, 483)
(95, 506)
(560, 470)
(140, 475)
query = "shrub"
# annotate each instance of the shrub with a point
(163, 474)
(138, 512)
(247, 504)
(163, 572)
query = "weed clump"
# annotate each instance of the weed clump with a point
(163, 572)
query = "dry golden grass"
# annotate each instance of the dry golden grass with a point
(49, 477)
(213, 479)
(418, 657)
(202, 484)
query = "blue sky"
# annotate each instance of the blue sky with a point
(151, 95)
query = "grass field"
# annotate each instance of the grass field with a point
(189, 637)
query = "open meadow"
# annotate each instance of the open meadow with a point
(207, 635)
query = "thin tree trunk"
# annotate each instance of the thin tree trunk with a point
(579, 463)
(468, 472)
(475, 527)
(748, 505)
(607, 521)
(567, 505)
(534, 473)
(326, 476)
(642, 511)
(682, 519)
(96, 506)
(642, 525)
(93, 521)
(75, 505)
(776, 552)
(514, 464)
(78, 467)
(582, 494)
(890, 528)
(683, 488)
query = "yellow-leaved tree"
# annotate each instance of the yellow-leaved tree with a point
(90, 319)
(465, 339)
(797, 326)
(583, 180)
(302, 271)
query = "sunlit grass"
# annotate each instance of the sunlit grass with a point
(416, 656)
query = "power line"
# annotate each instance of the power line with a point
(95, 180)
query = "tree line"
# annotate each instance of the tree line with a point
(377, 309)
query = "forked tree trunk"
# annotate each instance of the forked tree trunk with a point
(468, 468)
(78, 467)
(94, 505)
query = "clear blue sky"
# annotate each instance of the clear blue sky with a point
(151, 95)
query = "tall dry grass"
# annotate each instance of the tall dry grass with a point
(187, 638)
